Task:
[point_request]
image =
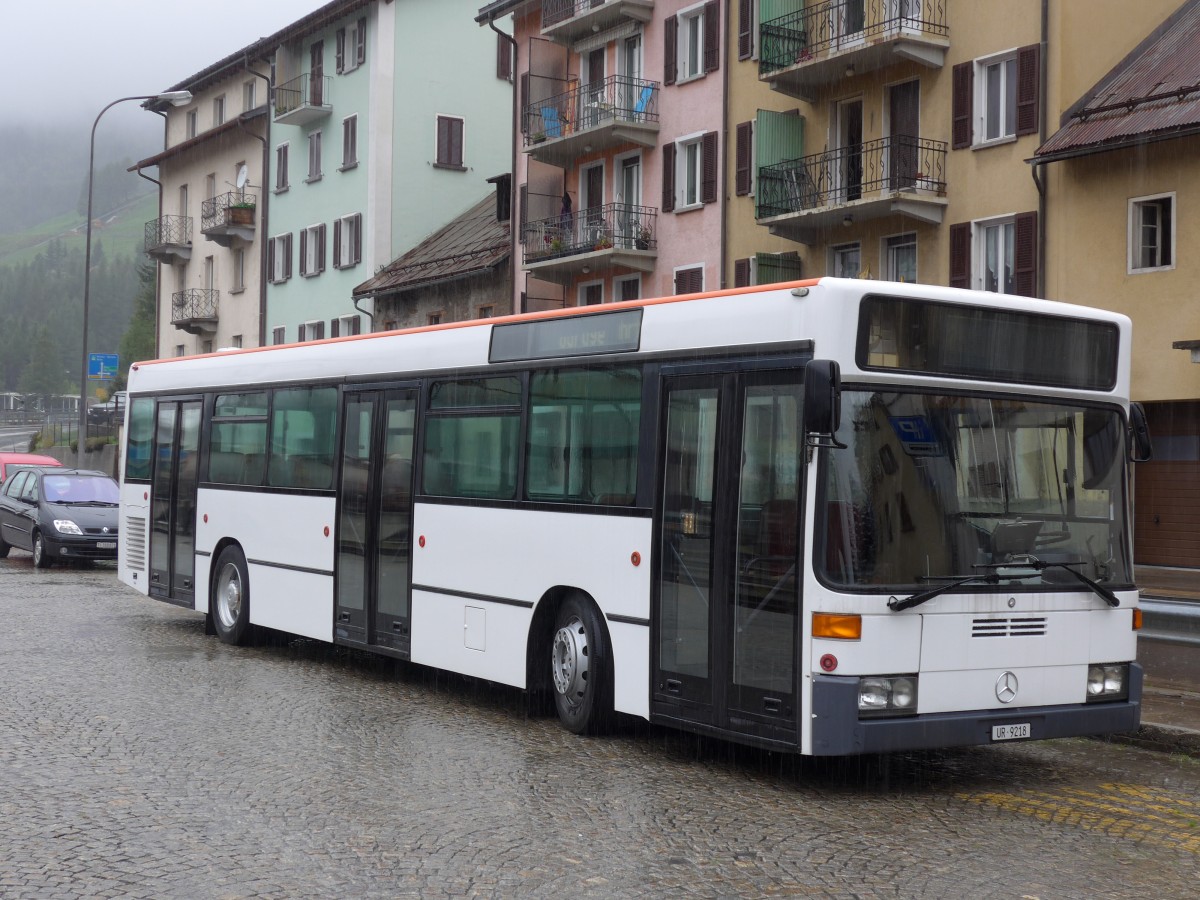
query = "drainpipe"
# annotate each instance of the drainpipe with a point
(512, 195)
(370, 316)
(263, 215)
(724, 160)
(1038, 178)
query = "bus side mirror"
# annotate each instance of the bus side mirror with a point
(822, 403)
(1140, 447)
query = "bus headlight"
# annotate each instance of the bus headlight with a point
(887, 695)
(1108, 681)
(66, 526)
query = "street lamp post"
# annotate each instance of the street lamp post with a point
(175, 98)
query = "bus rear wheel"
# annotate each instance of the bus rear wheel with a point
(581, 668)
(229, 604)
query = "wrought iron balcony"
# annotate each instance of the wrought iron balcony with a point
(592, 117)
(169, 239)
(566, 20)
(894, 175)
(194, 310)
(302, 100)
(597, 239)
(229, 217)
(820, 45)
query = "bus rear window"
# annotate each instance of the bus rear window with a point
(962, 341)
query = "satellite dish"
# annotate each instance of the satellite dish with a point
(243, 176)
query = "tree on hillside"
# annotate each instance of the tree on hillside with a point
(44, 375)
(138, 341)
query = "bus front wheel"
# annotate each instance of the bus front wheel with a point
(230, 601)
(581, 668)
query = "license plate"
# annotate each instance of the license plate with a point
(1010, 732)
(106, 545)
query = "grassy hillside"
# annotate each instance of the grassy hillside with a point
(121, 232)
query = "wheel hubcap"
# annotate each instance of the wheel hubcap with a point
(229, 596)
(569, 662)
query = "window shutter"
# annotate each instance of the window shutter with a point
(443, 140)
(668, 178)
(271, 261)
(287, 258)
(456, 142)
(708, 177)
(333, 328)
(689, 281)
(1025, 254)
(1028, 78)
(360, 42)
(503, 58)
(357, 238)
(304, 251)
(712, 36)
(339, 64)
(745, 29)
(318, 331)
(742, 146)
(301, 333)
(522, 201)
(522, 102)
(960, 255)
(670, 49)
(338, 262)
(963, 82)
(741, 272)
(321, 247)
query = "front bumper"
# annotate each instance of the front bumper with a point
(81, 548)
(838, 731)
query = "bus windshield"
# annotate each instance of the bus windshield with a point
(937, 487)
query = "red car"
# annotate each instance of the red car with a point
(8, 460)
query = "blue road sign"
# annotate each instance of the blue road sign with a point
(102, 366)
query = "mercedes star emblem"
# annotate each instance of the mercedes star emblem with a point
(1006, 687)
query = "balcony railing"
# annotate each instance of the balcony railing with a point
(303, 99)
(893, 165)
(566, 20)
(595, 116)
(228, 216)
(614, 227)
(195, 309)
(169, 238)
(824, 39)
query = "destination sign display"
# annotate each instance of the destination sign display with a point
(616, 332)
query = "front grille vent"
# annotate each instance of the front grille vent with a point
(134, 536)
(1018, 626)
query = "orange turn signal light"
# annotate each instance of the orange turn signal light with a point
(839, 627)
(1137, 619)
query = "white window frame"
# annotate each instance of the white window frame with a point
(313, 263)
(348, 326)
(314, 156)
(279, 334)
(687, 67)
(835, 255)
(980, 229)
(281, 167)
(344, 256)
(349, 143)
(218, 110)
(236, 342)
(312, 331)
(180, 350)
(682, 146)
(886, 249)
(281, 269)
(249, 90)
(581, 292)
(239, 270)
(189, 126)
(617, 282)
(1007, 90)
(461, 165)
(1136, 204)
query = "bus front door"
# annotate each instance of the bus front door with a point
(173, 502)
(374, 549)
(727, 600)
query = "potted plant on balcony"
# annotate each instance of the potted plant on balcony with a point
(642, 241)
(241, 213)
(538, 137)
(603, 242)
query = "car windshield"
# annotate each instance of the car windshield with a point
(79, 489)
(932, 488)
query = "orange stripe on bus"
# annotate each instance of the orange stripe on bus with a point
(598, 309)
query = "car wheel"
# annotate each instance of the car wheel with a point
(581, 668)
(41, 557)
(4, 548)
(230, 599)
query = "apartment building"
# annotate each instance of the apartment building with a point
(618, 142)
(207, 238)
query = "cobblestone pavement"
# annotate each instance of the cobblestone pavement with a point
(140, 758)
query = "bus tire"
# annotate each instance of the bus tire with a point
(4, 548)
(581, 667)
(230, 599)
(41, 558)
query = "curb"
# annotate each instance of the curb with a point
(1163, 738)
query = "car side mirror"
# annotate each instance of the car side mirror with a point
(1141, 448)
(822, 403)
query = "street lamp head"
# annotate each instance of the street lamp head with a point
(175, 98)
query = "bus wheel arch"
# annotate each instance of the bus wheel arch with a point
(571, 654)
(229, 595)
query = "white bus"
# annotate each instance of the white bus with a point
(827, 517)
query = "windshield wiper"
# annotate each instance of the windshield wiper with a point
(921, 596)
(1034, 563)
